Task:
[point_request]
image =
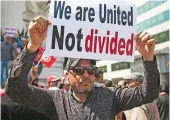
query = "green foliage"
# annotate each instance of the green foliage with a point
(23, 33)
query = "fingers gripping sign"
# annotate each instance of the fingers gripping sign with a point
(38, 32)
(145, 45)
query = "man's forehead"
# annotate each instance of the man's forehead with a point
(121, 82)
(8, 38)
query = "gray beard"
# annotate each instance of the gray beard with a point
(80, 91)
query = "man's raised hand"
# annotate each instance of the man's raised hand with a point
(145, 45)
(38, 32)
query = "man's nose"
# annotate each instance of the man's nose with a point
(85, 74)
(36, 75)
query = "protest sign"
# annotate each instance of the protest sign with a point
(92, 29)
(10, 31)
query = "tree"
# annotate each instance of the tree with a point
(33, 9)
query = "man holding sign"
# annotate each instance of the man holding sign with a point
(84, 102)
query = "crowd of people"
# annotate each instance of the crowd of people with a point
(11, 47)
(82, 93)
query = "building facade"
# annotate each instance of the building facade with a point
(153, 17)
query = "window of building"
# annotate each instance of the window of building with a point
(161, 37)
(148, 6)
(103, 68)
(153, 21)
(120, 66)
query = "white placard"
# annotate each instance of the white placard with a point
(10, 31)
(92, 29)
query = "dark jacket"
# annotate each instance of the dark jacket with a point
(10, 110)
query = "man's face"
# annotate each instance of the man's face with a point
(35, 82)
(13, 39)
(82, 77)
(133, 84)
(100, 79)
(7, 39)
(34, 73)
(121, 83)
(53, 83)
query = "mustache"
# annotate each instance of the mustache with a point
(85, 80)
(81, 79)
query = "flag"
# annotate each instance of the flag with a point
(48, 61)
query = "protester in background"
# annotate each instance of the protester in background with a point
(108, 83)
(122, 83)
(17, 43)
(35, 83)
(85, 101)
(99, 79)
(66, 85)
(163, 102)
(145, 112)
(34, 73)
(53, 82)
(33, 76)
(7, 54)
(13, 41)
(24, 42)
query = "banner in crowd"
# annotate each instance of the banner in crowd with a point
(92, 29)
(10, 31)
(41, 56)
(48, 61)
